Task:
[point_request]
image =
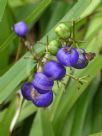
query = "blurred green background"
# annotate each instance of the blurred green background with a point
(73, 113)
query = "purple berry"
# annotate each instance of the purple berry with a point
(40, 100)
(42, 83)
(54, 70)
(43, 100)
(82, 61)
(67, 56)
(20, 28)
(26, 90)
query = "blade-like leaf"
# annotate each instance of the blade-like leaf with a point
(7, 118)
(96, 134)
(97, 114)
(19, 71)
(32, 18)
(75, 121)
(41, 125)
(82, 107)
(71, 96)
(26, 111)
(2, 8)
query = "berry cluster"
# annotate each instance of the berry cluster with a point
(39, 90)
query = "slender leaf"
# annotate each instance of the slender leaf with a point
(32, 18)
(97, 134)
(19, 70)
(2, 8)
(82, 108)
(7, 118)
(26, 111)
(97, 111)
(41, 125)
(71, 96)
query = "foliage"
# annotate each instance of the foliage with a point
(73, 113)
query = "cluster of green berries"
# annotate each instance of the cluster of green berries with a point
(39, 90)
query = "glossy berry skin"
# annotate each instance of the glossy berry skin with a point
(54, 70)
(26, 90)
(20, 28)
(67, 56)
(82, 61)
(42, 83)
(43, 100)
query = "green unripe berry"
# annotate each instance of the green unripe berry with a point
(54, 46)
(62, 31)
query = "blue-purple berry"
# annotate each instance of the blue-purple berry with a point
(31, 94)
(82, 62)
(26, 90)
(42, 83)
(54, 70)
(67, 56)
(43, 100)
(20, 28)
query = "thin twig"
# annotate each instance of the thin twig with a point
(20, 49)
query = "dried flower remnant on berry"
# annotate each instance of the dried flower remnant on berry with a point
(43, 100)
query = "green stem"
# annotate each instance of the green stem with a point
(73, 32)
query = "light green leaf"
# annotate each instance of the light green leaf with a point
(72, 95)
(2, 8)
(20, 71)
(7, 118)
(91, 7)
(32, 18)
(96, 134)
(97, 114)
(5, 31)
(82, 108)
(26, 111)
(41, 125)
(22, 68)
(75, 121)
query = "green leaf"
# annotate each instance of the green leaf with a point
(7, 118)
(5, 31)
(96, 134)
(88, 122)
(41, 125)
(71, 96)
(82, 108)
(66, 100)
(76, 117)
(66, 131)
(26, 111)
(20, 71)
(61, 8)
(22, 68)
(87, 45)
(2, 8)
(32, 18)
(91, 7)
(97, 114)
